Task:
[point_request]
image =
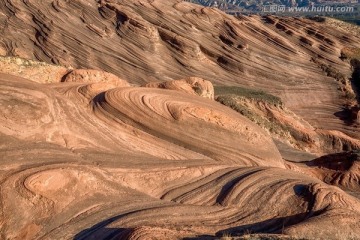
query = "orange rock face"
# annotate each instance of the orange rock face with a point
(191, 85)
(93, 76)
(90, 154)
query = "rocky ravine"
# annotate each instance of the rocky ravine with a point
(87, 154)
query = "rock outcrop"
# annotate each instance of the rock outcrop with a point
(93, 76)
(191, 85)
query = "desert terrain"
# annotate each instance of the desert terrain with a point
(150, 119)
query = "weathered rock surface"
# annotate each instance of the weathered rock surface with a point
(91, 156)
(191, 85)
(93, 76)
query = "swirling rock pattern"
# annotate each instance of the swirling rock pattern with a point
(340, 169)
(139, 163)
(173, 118)
(93, 76)
(141, 42)
(191, 85)
(90, 156)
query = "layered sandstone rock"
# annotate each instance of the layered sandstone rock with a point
(191, 85)
(91, 156)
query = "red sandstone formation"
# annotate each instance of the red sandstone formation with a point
(89, 154)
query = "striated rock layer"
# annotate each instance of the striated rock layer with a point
(139, 163)
(89, 154)
(191, 85)
(145, 41)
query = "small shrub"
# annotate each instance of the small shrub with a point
(226, 236)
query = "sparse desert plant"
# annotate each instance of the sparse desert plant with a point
(232, 102)
(226, 236)
(34, 70)
(247, 93)
(24, 62)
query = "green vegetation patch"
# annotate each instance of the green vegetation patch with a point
(236, 98)
(222, 92)
(24, 62)
(236, 103)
